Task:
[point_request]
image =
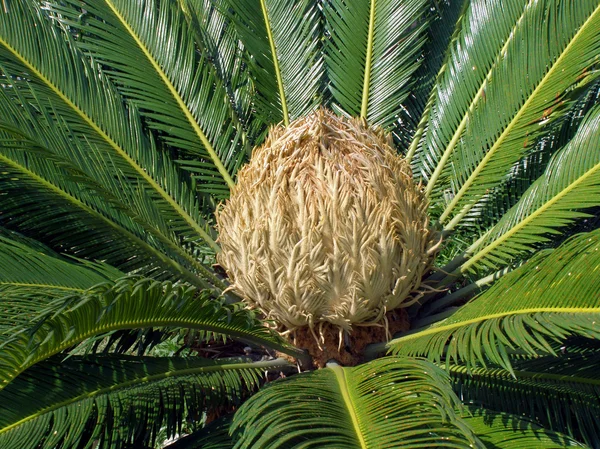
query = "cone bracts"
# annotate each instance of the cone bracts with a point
(325, 227)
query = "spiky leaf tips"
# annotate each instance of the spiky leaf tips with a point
(325, 226)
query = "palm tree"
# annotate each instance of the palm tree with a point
(123, 127)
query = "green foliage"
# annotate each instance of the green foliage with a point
(549, 298)
(387, 403)
(128, 303)
(559, 393)
(371, 55)
(123, 123)
(504, 431)
(114, 400)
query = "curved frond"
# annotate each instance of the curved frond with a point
(30, 279)
(489, 148)
(213, 436)
(481, 37)
(220, 43)
(571, 182)
(445, 22)
(174, 87)
(545, 300)
(505, 431)
(382, 404)
(483, 150)
(282, 39)
(500, 199)
(129, 303)
(564, 397)
(37, 159)
(70, 89)
(371, 54)
(109, 401)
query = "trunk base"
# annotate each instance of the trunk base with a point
(350, 352)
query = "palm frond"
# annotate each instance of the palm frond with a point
(109, 401)
(71, 89)
(128, 303)
(219, 40)
(36, 154)
(495, 203)
(30, 279)
(383, 404)
(480, 151)
(282, 39)
(461, 81)
(489, 148)
(546, 300)
(445, 20)
(174, 87)
(505, 431)
(371, 55)
(571, 182)
(492, 207)
(563, 397)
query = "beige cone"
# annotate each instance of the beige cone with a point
(325, 225)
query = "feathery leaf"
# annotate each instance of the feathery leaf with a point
(371, 54)
(282, 39)
(522, 105)
(129, 303)
(108, 401)
(546, 300)
(71, 89)
(382, 404)
(571, 182)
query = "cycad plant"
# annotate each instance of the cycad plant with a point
(292, 224)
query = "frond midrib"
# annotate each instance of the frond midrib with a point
(282, 98)
(80, 205)
(43, 286)
(528, 375)
(148, 379)
(146, 323)
(342, 381)
(368, 62)
(478, 95)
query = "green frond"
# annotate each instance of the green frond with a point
(282, 39)
(371, 54)
(571, 182)
(108, 401)
(38, 169)
(213, 436)
(505, 431)
(445, 20)
(219, 40)
(174, 87)
(563, 397)
(381, 404)
(70, 89)
(523, 106)
(129, 303)
(481, 35)
(478, 151)
(546, 300)
(31, 276)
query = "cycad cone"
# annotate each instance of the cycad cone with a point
(325, 225)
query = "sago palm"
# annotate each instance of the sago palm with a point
(290, 224)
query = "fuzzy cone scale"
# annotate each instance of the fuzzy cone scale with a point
(325, 225)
